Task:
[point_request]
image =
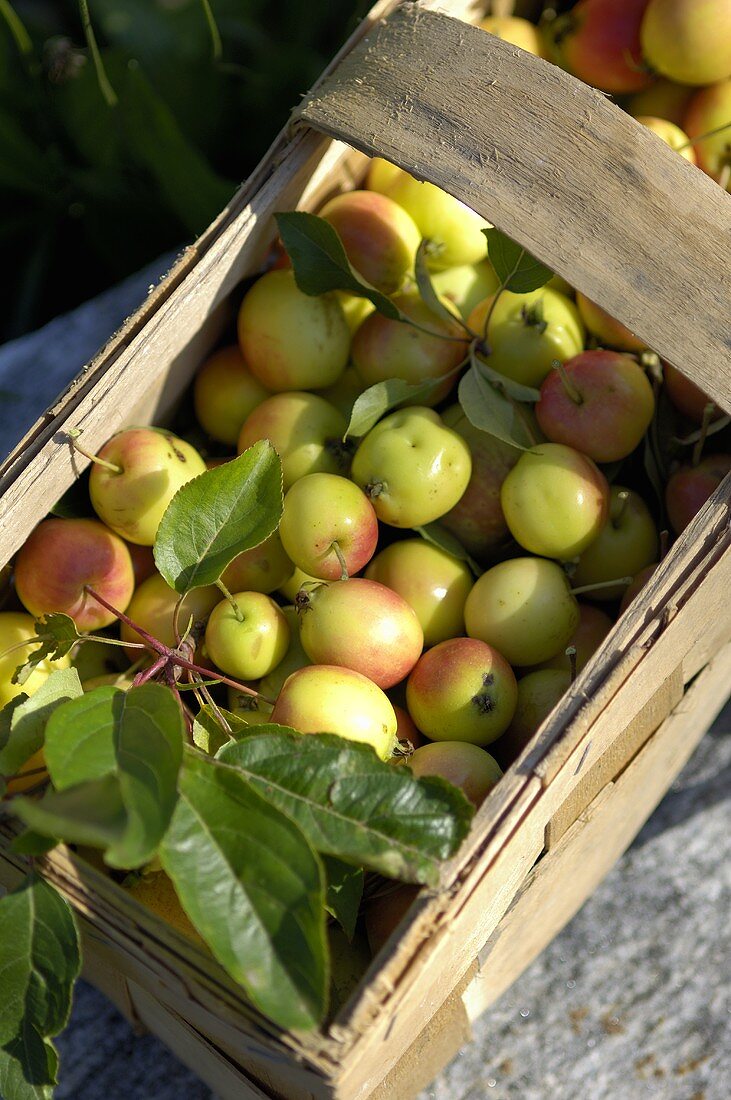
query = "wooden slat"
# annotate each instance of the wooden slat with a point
(554, 164)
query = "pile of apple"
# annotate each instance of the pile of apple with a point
(420, 593)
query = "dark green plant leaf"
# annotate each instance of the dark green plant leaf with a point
(351, 805)
(516, 269)
(513, 389)
(39, 962)
(253, 888)
(90, 813)
(57, 634)
(445, 540)
(344, 892)
(208, 733)
(491, 411)
(379, 399)
(23, 720)
(320, 264)
(218, 515)
(426, 289)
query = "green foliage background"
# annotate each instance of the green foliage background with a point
(91, 192)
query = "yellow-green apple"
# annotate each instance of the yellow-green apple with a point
(454, 230)
(688, 40)
(92, 659)
(671, 134)
(524, 607)
(638, 583)
(299, 579)
(264, 568)
(412, 467)
(477, 519)
(249, 644)
(462, 690)
(608, 331)
(555, 500)
(599, 403)
(383, 640)
(295, 657)
(292, 340)
(384, 349)
(61, 559)
(690, 487)
(156, 892)
(380, 239)
(538, 693)
(626, 543)
(434, 583)
(527, 333)
(466, 285)
(328, 526)
(599, 41)
(251, 708)
(688, 399)
(305, 430)
(462, 764)
(331, 699)
(344, 393)
(594, 625)
(355, 309)
(381, 174)
(663, 99)
(709, 110)
(148, 467)
(516, 31)
(153, 608)
(224, 393)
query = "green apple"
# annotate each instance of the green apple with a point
(381, 174)
(328, 524)
(224, 393)
(663, 99)
(344, 393)
(17, 628)
(688, 40)
(671, 134)
(251, 646)
(454, 230)
(295, 657)
(305, 430)
(710, 110)
(538, 694)
(516, 31)
(264, 568)
(593, 627)
(467, 285)
(626, 543)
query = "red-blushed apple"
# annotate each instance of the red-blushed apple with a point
(709, 112)
(688, 399)
(384, 349)
(292, 340)
(467, 285)
(690, 487)
(638, 583)
(305, 430)
(412, 467)
(462, 764)
(599, 403)
(671, 134)
(224, 393)
(143, 561)
(294, 659)
(434, 583)
(538, 693)
(249, 646)
(380, 239)
(555, 501)
(153, 608)
(526, 333)
(607, 329)
(516, 31)
(477, 519)
(688, 40)
(454, 230)
(385, 912)
(593, 627)
(148, 467)
(524, 607)
(462, 690)
(663, 99)
(264, 568)
(328, 526)
(599, 41)
(406, 729)
(627, 542)
(331, 699)
(61, 558)
(362, 625)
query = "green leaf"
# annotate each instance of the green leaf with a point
(32, 844)
(351, 805)
(320, 263)
(90, 813)
(344, 892)
(28, 1067)
(516, 390)
(371, 405)
(208, 733)
(516, 269)
(445, 540)
(218, 515)
(253, 888)
(428, 294)
(39, 962)
(490, 411)
(23, 720)
(57, 634)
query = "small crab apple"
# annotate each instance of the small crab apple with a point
(251, 708)
(454, 230)
(709, 112)
(525, 608)
(555, 501)
(264, 568)
(295, 658)
(462, 764)
(663, 99)
(381, 174)
(153, 608)
(599, 403)
(328, 526)
(462, 690)
(690, 487)
(61, 559)
(599, 41)
(143, 470)
(292, 340)
(688, 40)
(248, 641)
(538, 694)
(516, 31)
(305, 430)
(355, 309)
(379, 237)
(607, 330)
(384, 640)
(671, 134)
(688, 399)
(627, 542)
(224, 393)
(412, 467)
(299, 579)
(17, 628)
(434, 583)
(331, 699)
(344, 393)
(593, 627)
(466, 285)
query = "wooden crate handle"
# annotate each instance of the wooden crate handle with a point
(555, 165)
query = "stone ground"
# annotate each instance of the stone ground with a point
(632, 1000)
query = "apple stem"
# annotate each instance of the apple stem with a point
(600, 584)
(335, 546)
(153, 643)
(237, 610)
(148, 673)
(708, 412)
(110, 641)
(568, 385)
(73, 434)
(623, 498)
(571, 654)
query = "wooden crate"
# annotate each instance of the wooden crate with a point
(524, 144)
